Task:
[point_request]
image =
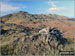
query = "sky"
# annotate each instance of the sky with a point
(59, 7)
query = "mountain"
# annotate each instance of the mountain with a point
(24, 15)
(20, 33)
(40, 20)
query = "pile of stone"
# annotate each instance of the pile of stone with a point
(52, 33)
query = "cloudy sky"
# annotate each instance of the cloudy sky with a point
(62, 7)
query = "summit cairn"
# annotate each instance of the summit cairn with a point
(53, 34)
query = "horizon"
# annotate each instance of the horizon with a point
(36, 14)
(63, 8)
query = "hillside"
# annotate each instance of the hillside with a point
(18, 30)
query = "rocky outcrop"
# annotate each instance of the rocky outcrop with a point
(53, 37)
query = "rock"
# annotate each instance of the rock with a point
(3, 31)
(52, 34)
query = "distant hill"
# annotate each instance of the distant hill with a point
(24, 15)
(40, 20)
